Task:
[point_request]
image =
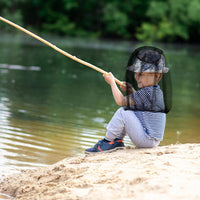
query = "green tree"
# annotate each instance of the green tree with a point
(170, 21)
(150, 20)
(115, 23)
(9, 10)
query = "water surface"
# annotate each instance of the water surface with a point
(52, 107)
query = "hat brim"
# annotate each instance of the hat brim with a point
(140, 66)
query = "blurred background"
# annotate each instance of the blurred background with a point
(150, 20)
(52, 107)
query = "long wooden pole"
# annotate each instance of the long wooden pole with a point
(58, 49)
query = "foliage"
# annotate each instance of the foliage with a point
(115, 23)
(150, 20)
(171, 21)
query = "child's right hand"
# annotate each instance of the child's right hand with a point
(123, 87)
(126, 87)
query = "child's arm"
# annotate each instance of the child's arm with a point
(118, 96)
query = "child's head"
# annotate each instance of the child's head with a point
(147, 64)
(147, 67)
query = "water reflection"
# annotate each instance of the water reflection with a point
(35, 135)
(57, 108)
(26, 143)
(19, 67)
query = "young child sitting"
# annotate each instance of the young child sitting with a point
(142, 116)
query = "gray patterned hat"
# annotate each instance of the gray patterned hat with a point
(148, 60)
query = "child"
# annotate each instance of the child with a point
(142, 116)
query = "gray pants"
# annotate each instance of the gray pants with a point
(125, 122)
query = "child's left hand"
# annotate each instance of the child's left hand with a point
(126, 87)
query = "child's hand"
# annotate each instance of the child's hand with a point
(123, 87)
(109, 78)
(126, 87)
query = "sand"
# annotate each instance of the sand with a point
(164, 173)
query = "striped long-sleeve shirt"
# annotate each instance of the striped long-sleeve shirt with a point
(149, 108)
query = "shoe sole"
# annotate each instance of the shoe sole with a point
(108, 151)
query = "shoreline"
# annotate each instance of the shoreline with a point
(164, 172)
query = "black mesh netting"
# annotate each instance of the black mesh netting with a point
(147, 73)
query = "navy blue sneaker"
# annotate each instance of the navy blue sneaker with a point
(103, 145)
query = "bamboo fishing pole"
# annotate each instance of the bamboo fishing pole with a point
(57, 49)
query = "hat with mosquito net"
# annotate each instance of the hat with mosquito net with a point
(155, 97)
(148, 59)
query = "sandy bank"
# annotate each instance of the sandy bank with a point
(167, 172)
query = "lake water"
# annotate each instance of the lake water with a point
(52, 107)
